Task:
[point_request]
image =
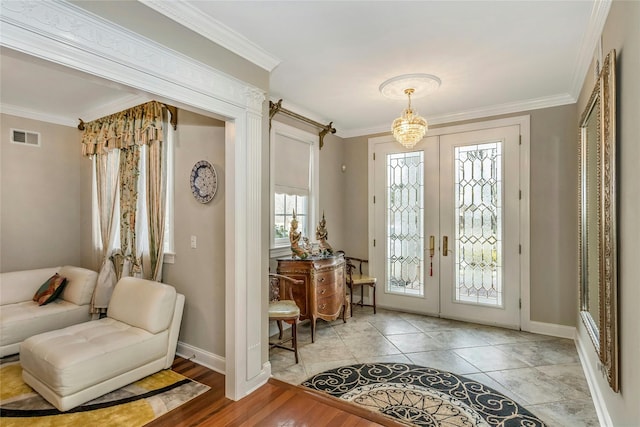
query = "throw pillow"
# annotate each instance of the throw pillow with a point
(50, 290)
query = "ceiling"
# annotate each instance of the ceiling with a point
(328, 58)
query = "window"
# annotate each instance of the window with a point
(294, 183)
(283, 212)
(111, 190)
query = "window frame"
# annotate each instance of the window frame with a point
(281, 247)
(169, 239)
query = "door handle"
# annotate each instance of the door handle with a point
(432, 250)
(445, 245)
(432, 245)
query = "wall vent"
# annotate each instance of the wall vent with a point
(24, 137)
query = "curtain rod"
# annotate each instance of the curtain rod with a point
(173, 110)
(276, 107)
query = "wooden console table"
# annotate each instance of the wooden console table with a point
(323, 294)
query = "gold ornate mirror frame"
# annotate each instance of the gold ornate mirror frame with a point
(598, 234)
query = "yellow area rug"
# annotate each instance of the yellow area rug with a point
(133, 405)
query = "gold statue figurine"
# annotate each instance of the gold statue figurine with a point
(322, 236)
(294, 237)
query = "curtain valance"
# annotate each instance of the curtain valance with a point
(139, 125)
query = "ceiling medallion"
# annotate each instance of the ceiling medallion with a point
(409, 128)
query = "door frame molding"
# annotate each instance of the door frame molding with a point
(524, 122)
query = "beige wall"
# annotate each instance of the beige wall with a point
(554, 214)
(553, 158)
(622, 32)
(356, 196)
(332, 182)
(46, 211)
(199, 273)
(41, 197)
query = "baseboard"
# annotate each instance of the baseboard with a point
(201, 357)
(591, 375)
(552, 329)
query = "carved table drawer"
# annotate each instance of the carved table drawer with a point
(327, 289)
(329, 305)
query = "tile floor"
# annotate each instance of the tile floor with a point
(541, 373)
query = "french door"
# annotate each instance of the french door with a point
(446, 225)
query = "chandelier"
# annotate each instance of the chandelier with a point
(409, 128)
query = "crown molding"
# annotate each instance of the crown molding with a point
(507, 108)
(598, 18)
(63, 33)
(479, 113)
(26, 113)
(191, 17)
(103, 110)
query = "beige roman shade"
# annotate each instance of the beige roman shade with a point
(292, 170)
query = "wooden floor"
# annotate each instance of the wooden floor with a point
(274, 404)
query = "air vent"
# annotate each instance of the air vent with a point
(24, 137)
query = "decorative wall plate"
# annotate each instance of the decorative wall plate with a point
(204, 181)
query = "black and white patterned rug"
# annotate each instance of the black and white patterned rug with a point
(422, 396)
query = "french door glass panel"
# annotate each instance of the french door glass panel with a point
(478, 223)
(405, 216)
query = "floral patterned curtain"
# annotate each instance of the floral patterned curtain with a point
(133, 127)
(123, 134)
(129, 174)
(156, 172)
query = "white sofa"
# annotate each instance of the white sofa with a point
(21, 317)
(74, 365)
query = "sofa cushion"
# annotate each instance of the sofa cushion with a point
(80, 284)
(143, 303)
(25, 319)
(50, 289)
(19, 286)
(74, 358)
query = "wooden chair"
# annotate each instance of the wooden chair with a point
(284, 310)
(355, 278)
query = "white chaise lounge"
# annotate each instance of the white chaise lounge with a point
(74, 365)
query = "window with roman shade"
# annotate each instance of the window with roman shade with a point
(294, 181)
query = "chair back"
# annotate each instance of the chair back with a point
(353, 266)
(355, 277)
(274, 288)
(280, 287)
(143, 304)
